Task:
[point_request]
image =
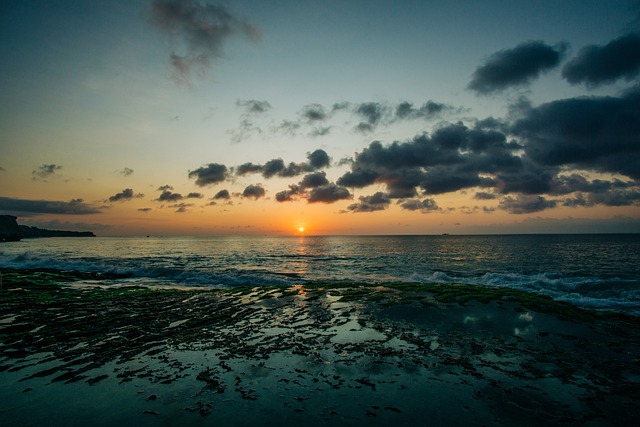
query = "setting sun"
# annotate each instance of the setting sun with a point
(301, 229)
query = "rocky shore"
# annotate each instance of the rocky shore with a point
(73, 352)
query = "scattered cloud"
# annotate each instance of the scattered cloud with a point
(424, 206)
(253, 192)
(194, 196)
(526, 203)
(596, 65)
(124, 195)
(317, 159)
(376, 202)
(22, 207)
(169, 196)
(515, 67)
(43, 172)
(201, 29)
(328, 194)
(165, 187)
(126, 172)
(213, 173)
(145, 209)
(222, 195)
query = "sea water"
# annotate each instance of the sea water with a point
(594, 271)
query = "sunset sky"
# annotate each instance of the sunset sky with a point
(180, 117)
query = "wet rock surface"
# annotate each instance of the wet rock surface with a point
(314, 354)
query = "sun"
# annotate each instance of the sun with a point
(301, 229)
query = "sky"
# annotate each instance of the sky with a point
(283, 117)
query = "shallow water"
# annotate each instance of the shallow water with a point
(596, 271)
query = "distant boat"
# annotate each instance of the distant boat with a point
(445, 234)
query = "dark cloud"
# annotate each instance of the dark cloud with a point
(168, 196)
(598, 133)
(45, 171)
(614, 197)
(272, 168)
(124, 195)
(165, 187)
(20, 206)
(430, 109)
(253, 191)
(202, 28)
(328, 194)
(454, 157)
(247, 168)
(371, 113)
(289, 195)
(482, 195)
(314, 113)
(2, 169)
(194, 195)
(314, 180)
(213, 173)
(424, 206)
(376, 202)
(126, 172)
(222, 195)
(526, 203)
(517, 66)
(145, 209)
(596, 65)
(319, 159)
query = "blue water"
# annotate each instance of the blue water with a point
(596, 271)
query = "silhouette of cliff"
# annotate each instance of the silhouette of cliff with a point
(10, 231)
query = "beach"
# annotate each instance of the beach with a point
(74, 352)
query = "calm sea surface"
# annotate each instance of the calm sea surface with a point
(598, 271)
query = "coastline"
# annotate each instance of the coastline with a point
(327, 353)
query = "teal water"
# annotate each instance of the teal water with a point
(596, 271)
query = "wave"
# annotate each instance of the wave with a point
(587, 292)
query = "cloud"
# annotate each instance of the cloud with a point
(515, 67)
(43, 172)
(313, 180)
(201, 29)
(430, 109)
(165, 187)
(2, 169)
(376, 202)
(289, 195)
(453, 158)
(222, 195)
(145, 209)
(597, 133)
(253, 192)
(168, 196)
(213, 173)
(20, 206)
(482, 195)
(317, 159)
(525, 203)
(328, 194)
(597, 65)
(126, 172)
(314, 113)
(124, 195)
(253, 106)
(424, 206)
(181, 207)
(194, 196)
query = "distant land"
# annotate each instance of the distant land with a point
(10, 231)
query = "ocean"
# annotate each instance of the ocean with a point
(593, 271)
